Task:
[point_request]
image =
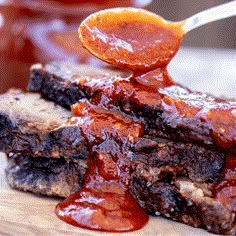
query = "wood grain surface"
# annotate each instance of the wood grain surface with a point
(27, 214)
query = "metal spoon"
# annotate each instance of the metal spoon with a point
(139, 40)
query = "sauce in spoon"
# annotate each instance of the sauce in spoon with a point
(131, 38)
(140, 40)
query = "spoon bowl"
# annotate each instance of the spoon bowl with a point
(139, 40)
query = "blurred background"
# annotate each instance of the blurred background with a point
(206, 61)
(220, 34)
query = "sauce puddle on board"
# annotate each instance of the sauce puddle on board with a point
(104, 202)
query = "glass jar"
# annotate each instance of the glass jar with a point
(34, 31)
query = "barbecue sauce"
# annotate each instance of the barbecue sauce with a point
(104, 202)
(219, 115)
(131, 38)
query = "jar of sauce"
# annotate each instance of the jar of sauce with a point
(42, 31)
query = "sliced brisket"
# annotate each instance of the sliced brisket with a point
(171, 112)
(174, 197)
(175, 162)
(34, 126)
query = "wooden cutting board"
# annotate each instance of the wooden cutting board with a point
(27, 214)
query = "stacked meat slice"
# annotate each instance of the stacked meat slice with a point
(178, 161)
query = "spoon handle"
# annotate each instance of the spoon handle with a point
(213, 14)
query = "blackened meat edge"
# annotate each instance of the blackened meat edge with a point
(155, 162)
(33, 126)
(172, 111)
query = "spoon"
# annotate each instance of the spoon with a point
(139, 40)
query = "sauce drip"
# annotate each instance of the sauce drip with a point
(111, 90)
(104, 202)
(131, 38)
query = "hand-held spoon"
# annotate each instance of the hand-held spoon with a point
(139, 40)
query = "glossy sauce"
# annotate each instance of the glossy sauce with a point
(104, 202)
(112, 90)
(218, 115)
(97, 123)
(145, 45)
(134, 39)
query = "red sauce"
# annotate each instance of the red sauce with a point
(104, 202)
(145, 44)
(97, 123)
(218, 115)
(142, 90)
(134, 39)
(111, 210)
